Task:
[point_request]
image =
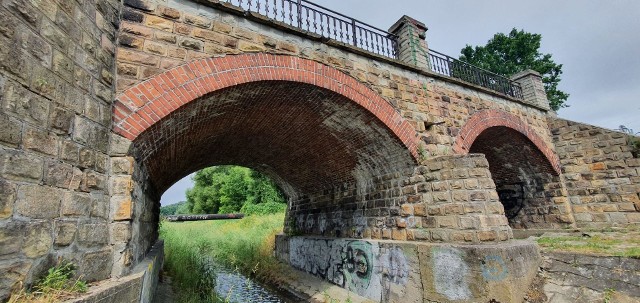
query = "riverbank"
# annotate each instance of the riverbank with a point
(245, 245)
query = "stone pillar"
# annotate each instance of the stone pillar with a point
(412, 47)
(532, 88)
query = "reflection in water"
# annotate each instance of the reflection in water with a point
(233, 287)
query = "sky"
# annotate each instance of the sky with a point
(597, 43)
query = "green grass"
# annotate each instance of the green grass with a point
(625, 244)
(55, 286)
(246, 245)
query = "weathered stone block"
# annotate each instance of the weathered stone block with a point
(159, 23)
(96, 265)
(11, 238)
(92, 180)
(7, 198)
(13, 272)
(64, 232)
(197, 21)
(63, 175)
(25, 104)
(20, 166)
(36, 46)
(38, 239)
(38, 201)
(119, 232)
(121, 208)
(120, 185)
(10, 129)
(91, 134)
(41, 141)
(121, 165)
(60, 120)
(99, 205)
(76, 204)
(92, 235)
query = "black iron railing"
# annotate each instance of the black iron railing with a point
(327, 23)
(322, 21)
(448, 66)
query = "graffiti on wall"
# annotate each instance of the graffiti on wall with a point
(493, 268)
(363, 267)
(451, 273)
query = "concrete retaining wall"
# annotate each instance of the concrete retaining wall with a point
(580, 278)
(393, 271)
(140, 286)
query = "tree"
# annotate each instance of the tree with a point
(509, 54)
(228, 189)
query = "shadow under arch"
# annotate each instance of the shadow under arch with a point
(524, 170)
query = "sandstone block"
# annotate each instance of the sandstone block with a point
(93, 235)
(120, 208)
(168, 12)
(192, 44)
(119, 145)
(38, 239)
(11, 237)
(155, 48)
(60, 120)
(250, 47)
(13, 272)
(96, 265)
(38, 201)
(15, 165)
(63, 175)
(166, 37)
(131, 41)
(121, 165)
(86, 157)
(10, 129)
(64, 232)
(41, 141)
(76, 204)
(197, 21)
(119, 233)
(222, 27)
(159, 23)
(136, 29)
(99, 205)
(136, 57)
(25, 104)
(92, 180)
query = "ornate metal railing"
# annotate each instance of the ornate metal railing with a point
(322, 21)
(448, 66)
(313, 18)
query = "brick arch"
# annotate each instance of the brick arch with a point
(485, 119)
(139, 107)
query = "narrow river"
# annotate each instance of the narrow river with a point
(231, 286)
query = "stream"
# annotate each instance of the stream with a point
(232, 286)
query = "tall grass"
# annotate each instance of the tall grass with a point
(246, 245)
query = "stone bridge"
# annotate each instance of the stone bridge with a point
(406, 171)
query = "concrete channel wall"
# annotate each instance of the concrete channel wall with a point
(140, 286)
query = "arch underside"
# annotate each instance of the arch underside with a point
(525, 180)
(305, 137)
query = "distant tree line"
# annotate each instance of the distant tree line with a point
(229, 189)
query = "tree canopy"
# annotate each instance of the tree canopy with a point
(519, 50)
(229, 189)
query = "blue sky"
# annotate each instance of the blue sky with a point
(598, 43)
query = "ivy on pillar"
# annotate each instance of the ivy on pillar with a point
(412, 47)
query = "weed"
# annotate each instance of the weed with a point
(608, 294)
(58, 284)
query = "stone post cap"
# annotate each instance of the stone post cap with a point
(524, 73)
(408, 20)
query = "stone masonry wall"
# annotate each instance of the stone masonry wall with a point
(448, 199)
(601, 175)
(56, 88)
(157, 35)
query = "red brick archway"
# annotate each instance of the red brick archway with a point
(485, 119)
(139, 107)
